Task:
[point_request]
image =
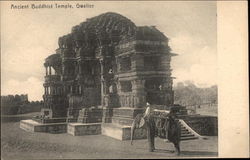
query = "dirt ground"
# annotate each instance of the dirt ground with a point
(19, 144)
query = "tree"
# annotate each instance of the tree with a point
(188, 94)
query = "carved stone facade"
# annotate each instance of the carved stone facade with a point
(108, 61)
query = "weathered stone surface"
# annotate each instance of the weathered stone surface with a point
(127, 112)
(90, 115)
(122, 120)
(80, 129)
(108, 61)
(51, 120)
(33, 126)
(122, 132)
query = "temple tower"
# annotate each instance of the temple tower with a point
(108, 63)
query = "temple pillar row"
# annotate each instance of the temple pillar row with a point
(53, 90)
(49, 69)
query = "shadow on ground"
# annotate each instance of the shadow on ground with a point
(188, 153)
(198, 153)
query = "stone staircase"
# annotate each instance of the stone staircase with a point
(187, 133)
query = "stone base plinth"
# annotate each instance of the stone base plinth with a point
(122, 121)
(87, 119)
(125, 116)
(106, 120)
(34, 126)
(127, 112)
(80, 129)
(122, 132)
(90, 115)
(107, 114)
(52, 120)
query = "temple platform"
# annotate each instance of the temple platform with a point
(34, 126)
(75, 129)
(127, 112)
(122, 120)
(122, 132)
(120, 128)
(81, 129)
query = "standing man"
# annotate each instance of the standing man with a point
(151, 127)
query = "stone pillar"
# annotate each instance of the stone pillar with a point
(133, 62)
(119, 87)
(80, 89)
(71, 89)
(80, 67)
(49, 70)
(107, 115)
(46, 69)
(75, 68)
(56, 90)
(118, 64)
(107, 109)
(52, 90)
(63, 69)
(102, 81)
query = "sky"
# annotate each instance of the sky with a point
(28, 36)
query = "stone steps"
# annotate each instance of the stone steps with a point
(187, 134)
(188, 138)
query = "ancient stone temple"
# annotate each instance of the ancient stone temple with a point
(108, 61)
(102, 75)
(106, 70)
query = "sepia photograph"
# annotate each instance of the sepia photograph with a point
(110, 80)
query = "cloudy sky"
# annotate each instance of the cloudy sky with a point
(28, 36)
